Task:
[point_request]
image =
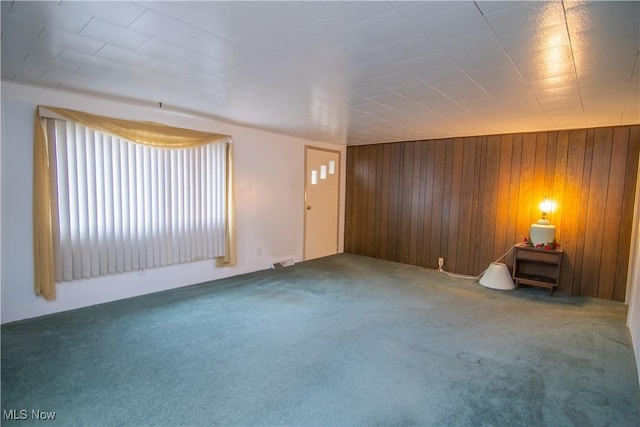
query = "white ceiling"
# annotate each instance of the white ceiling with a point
(345, 72)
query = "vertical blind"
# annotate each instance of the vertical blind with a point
(124, 207)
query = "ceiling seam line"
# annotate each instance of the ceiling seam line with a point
(573, 59)
(633, 70)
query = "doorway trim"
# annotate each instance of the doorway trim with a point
(304, 207)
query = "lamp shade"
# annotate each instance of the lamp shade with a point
(497, 276)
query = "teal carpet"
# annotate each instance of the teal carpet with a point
(343, 340)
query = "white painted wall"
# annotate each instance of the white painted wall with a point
(633, 281)
(269, 186)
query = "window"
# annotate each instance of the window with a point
(124, 207)
(104, 204)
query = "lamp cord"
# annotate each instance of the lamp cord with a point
(464, 276)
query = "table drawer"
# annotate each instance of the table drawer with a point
(538, 256)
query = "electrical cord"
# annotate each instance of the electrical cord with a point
(464, 276)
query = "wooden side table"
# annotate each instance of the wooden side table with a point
(537, 267)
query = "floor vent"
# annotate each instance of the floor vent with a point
(283, 263)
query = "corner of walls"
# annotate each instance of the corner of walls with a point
(633, 282)
(269, 193)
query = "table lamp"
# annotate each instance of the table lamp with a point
(543, 232)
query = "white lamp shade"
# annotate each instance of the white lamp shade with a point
(497, 276)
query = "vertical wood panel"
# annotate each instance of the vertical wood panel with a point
(378, 205)
(405, 206)
(437, 200)
(470, 199)
(527, 166)
(421, 200)
(466, 204)
(371, 199)
(490, 206)
(446, 199)
(503, 208)
(360, 200)
(539, 173)
(415, 240)
(348, 200)
(394, 191)
(571, 202)
(384, 199)
(428, 162)
(560, 171)
(477, 201)
(514, 190)
(611, 214)
(454, 210)
(593, 233)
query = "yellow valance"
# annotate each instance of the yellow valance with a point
(146, 133)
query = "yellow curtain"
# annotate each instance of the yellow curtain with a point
(44, 265)
(146, 133)
(229, 257)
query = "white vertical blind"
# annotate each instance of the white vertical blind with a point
(125, 207)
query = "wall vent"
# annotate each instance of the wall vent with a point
(283, 263)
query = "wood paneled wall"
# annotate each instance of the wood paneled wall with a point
(470, 199)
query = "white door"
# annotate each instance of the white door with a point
(322, 197)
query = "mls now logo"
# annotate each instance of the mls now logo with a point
(23, 414)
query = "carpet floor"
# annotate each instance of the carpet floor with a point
(342, 340)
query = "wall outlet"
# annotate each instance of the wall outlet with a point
(259, 251)
(440, 263)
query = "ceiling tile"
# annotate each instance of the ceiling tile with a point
(89, 62)
(529, 17)
(375, 68)
(469, 44)
(11, 63)
(348, 12)
(112, 34)
(30, 70)
(218, 17)
(412, 47)
(122, 56)
(51, 14)
(381, 29)
(164, 51)
(159, 26)
(601, 14)
(20, 27)
(416, 91)
(544, 64)
(173, 9)
(427, 64)
(394, 80)
(266, 17)
(481, 62)
(420, 10)
(120, 13)
(453, 23)
(64, 40)
(372, 90)
(321, 33)
(491, 6)
(212, 46)
(23, 42)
